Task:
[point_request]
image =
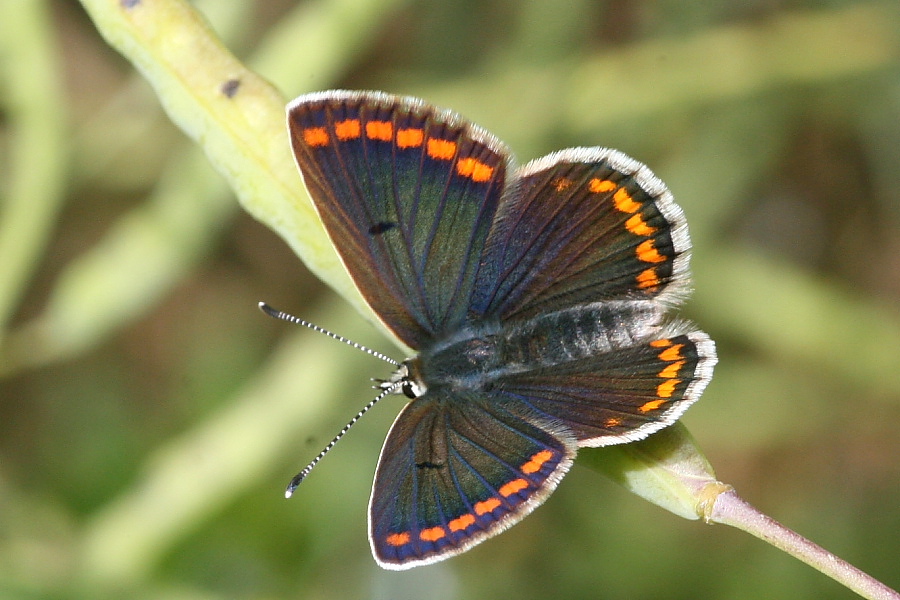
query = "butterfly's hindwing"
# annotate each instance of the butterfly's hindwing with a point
(621, 395)
(457, 468)
(610, 372)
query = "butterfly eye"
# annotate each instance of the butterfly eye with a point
(413, 389)
(409, 390)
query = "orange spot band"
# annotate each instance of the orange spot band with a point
(487, 506)
(624, 202)
(647, 252)
(474, 169)
(441, 149)
(537, 461)
(652, 405)
(433, 534)
(382, 131)
(647, 279)
(598, 186)
(460, 523)
(315, 137)
(667, 388)
(638, 226)
(410, 138)
(671, 370)
(347, 130)
(513, 487)
(561, 184)
(397, 539)
(673, 353)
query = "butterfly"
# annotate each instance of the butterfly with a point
(535, 297)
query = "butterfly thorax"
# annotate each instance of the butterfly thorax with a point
(476, 356)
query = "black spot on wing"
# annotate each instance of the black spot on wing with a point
(429, 465)
(383, 226)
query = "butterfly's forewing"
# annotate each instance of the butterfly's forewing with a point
(583, 225)
(456, 469)
(407, 194)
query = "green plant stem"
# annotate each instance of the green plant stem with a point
(730, 509)
(38, 150)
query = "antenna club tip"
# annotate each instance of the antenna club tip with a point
(291, 488)
(270, 310)
(295, 483)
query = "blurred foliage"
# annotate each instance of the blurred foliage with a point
(150, 415)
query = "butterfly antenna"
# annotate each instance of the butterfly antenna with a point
(385, 389)
(299, 477)
(277, 314)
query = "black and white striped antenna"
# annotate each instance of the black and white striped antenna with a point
(386, 388)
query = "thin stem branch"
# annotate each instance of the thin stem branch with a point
(731, 509)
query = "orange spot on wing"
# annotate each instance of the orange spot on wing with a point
(347, 130)
(460, 523)
(624, 202)
(397, 539)
(514, 486)
(410, 138)
(671, 370)
(673, 353)
(482, 508)
(660, 343)
(315, 137)
(612, 422)
(667, 388)
(380, 130)
(652, 405)
(441, 149)
(638, 226)
(647, 252)
(598, 186)
(561, 184)
(474, 169)
(647, 279)
(537, 461)
(433, 534)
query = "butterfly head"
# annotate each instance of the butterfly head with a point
(407, 380)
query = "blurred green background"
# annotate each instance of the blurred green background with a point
(150, 415)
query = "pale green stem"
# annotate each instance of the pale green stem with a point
(730, 509)
(36, 111)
